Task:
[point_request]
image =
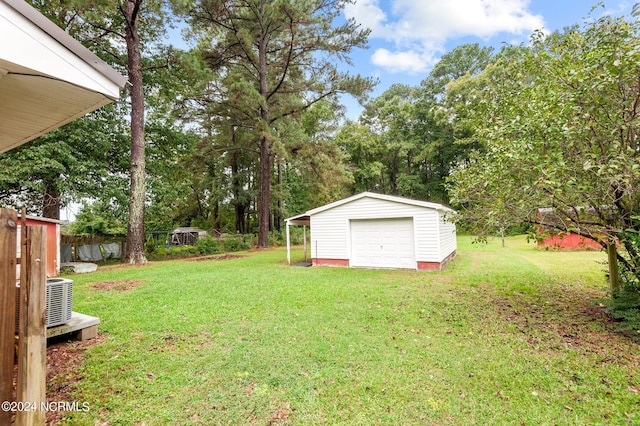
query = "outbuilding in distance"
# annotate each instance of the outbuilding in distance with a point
(371, 230)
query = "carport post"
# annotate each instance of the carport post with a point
(304, 229)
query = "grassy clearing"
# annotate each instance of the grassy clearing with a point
(502, 336)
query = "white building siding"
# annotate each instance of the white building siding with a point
(448, 242)
(330, 229)
(329, 237)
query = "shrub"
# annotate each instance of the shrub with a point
(173, 252)
(207, 245)
(159, 253)
(231, 245)
(624, 307)
(150, 246)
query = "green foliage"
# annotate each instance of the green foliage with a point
(207, 245)
(150, 245)
(157, 250)
(172, 252)
(97, 219)
(628, 274)
(83, 159)
(624, 307)
(405, 141)
(231, 245)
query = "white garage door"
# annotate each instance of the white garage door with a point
(383, 243)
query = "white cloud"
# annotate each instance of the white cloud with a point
(367, 13)
(408, 61)
(419, 29)
(443, 19)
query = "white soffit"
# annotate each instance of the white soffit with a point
(47, 78)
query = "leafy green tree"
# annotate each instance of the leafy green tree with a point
(312, 163)
(391, 118)
(98, 218)
(169, 174)
(275, 60)
(83, 159)
(364, 151)
(127, 34)
(406, 139)
(558, 129)
(437, 129)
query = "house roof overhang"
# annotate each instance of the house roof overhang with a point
(47, 78)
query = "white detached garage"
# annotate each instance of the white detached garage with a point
(372, 230)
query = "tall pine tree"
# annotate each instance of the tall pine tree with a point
(275, 59)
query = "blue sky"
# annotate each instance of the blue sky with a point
(409, 36)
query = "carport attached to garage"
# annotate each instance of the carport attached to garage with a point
(380, 231)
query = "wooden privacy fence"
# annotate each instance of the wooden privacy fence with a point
(28, 403)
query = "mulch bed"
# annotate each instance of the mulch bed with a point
(64, 370)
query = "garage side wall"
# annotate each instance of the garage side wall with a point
(330, 229)
(448, 244)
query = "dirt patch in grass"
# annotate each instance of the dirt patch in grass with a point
(221, 257)
(119, 286)
(281, 414)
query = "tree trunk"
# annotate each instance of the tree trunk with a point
(265, 149)
(216, 217)
(239, 206)
(614, 275)
(279, 222)
(265, 194)
(51, 201)
(135, 229)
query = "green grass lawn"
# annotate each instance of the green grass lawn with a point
(502, 336)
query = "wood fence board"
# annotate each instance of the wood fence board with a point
(8, 253)
(32, 349)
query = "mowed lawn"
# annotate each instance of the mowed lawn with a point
(509, 335)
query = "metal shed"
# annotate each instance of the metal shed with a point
(187, 236)
(379, 231)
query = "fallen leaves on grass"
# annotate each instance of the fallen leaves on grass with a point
(281, 415)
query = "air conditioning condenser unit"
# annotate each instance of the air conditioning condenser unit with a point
(59, 300)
